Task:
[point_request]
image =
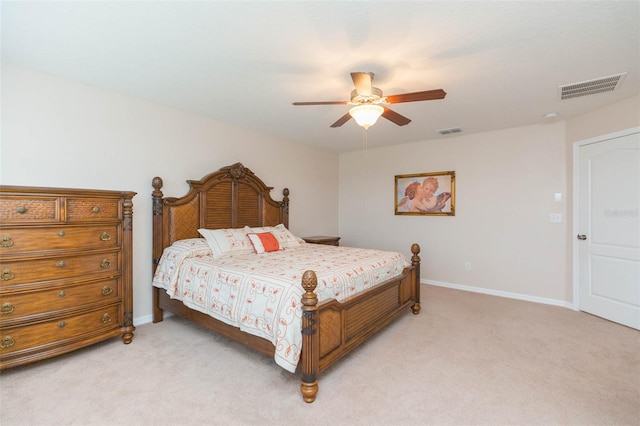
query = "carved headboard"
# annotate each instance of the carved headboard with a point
(232, 197)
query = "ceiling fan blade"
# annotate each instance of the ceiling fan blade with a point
(393, 116)
(427, 95)
(321, 103)
(362, 82)
(342, 120)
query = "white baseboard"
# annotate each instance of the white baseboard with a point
(148, 318)
(142, 320)
(499, 293)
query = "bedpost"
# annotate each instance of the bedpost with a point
(157, 248)
(310, 356)
(415, 261)
(127, 273)
(284, 210)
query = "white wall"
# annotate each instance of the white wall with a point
(64, 134)
(505, 186)
(610, 119)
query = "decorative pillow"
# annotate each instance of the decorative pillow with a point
(285, 238)
(264, 242)
(227, 241)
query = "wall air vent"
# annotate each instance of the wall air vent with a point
(591, 87)
(450, 130)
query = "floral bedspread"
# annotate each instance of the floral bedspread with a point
(261, 294)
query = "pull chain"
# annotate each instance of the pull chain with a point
(365, 143)
(365, 165)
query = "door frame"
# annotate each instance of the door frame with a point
(576, 230)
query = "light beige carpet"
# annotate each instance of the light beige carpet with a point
(467, 359)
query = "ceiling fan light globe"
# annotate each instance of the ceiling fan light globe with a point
(366, 115)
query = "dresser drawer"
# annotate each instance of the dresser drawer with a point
(88, 209)
(56, 268)
(19, 305)
(15, 241)
(40, 334)
(29, 209)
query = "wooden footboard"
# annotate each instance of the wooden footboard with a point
(333, 329)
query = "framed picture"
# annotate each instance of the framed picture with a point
(430, 194)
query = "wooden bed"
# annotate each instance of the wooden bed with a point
(233, 197)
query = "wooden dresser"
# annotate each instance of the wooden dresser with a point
(65, 270)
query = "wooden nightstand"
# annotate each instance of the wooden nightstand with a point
(329, 241)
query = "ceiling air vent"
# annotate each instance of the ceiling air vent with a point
(591, 87)
(450, 130)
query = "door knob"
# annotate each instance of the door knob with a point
(582, 237)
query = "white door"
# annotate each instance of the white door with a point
(607, 227)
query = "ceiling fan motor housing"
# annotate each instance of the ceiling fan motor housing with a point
(374, 98)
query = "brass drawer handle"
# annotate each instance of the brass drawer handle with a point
(62, 324)
(96, 209)
(105, 263)
(106, 318)
(7, 275)
(21, 210)
(61, 264)
(106, 290)
(7, 342)
(62, 293)
(7, 308)
(105, 236)
(6, 242)
(61, 233)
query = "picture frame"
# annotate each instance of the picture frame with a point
(426, 194)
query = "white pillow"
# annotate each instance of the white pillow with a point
(282, 234)
(192, 247)
(227, 241)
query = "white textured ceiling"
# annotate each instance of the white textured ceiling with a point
(501, 63)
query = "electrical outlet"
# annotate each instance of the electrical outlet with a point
(467, 266)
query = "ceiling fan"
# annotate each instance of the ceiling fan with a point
(370, 104)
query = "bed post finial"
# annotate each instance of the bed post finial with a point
(310, 356)
(157, 183)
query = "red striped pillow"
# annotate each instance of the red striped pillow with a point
(264, 242)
